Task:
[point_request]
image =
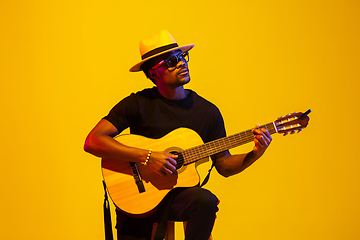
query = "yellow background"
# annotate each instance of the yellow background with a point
(64, 64)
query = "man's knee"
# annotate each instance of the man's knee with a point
(205, 199)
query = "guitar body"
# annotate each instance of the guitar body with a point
(119, 175)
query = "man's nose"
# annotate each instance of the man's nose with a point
(181, 63)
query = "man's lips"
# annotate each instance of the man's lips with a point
(183, 71)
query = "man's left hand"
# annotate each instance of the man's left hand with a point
(262, 140)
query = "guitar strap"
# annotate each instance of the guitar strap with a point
(107, 216)
(206, 179)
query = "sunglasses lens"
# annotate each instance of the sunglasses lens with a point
(172, 61)
(185, 56)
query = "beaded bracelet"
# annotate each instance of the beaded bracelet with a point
(148, 157)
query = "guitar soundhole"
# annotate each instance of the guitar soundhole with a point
(179, 160)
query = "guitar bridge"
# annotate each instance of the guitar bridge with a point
(137, 177)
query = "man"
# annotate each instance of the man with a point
(155, 112)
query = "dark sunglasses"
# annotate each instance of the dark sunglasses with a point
(173, 60)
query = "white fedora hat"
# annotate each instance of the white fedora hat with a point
(156, 44)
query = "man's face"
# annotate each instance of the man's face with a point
(173, 76)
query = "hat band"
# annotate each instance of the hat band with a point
(158, 50)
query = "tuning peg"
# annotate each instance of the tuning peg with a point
(299, 130)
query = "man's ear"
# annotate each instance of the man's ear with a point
(153, 74)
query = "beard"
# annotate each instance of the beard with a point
(181, 82)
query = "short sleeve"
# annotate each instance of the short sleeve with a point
(124, 113)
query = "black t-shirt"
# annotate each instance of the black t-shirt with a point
(149, 114)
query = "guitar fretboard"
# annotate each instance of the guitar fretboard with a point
(222, 144)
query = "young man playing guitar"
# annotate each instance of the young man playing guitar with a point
(154, 113)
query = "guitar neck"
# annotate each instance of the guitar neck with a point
(222, 144)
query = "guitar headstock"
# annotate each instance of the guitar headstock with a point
(293, 122)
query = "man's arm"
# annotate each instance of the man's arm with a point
(100, 143)
(228, 165)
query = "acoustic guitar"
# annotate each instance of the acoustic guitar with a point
(136, 189)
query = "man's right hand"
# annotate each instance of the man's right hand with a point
(162, 163)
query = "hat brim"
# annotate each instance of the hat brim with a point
(137, 67)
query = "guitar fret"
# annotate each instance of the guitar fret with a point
(196, 153)
(241, 138)
(208, 148)
(204, 150)
(220, 145)
(215, 149)
(229, 142)
(234, 139)
(189, 155)
(243, 135)
(224, 144)
(185, 156)
(216, 145)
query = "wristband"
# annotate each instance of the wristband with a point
(148, 157)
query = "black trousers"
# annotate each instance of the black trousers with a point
(195, 205)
